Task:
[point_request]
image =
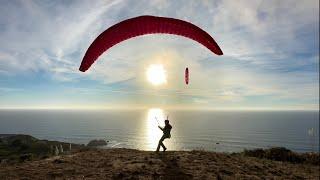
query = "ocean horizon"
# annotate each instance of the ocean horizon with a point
(221, 131)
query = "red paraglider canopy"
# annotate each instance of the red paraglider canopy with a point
(145, 25)
(186, 75)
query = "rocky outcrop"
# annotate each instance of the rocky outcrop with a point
(97, 142)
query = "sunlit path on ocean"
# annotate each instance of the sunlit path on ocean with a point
(155, 118)
(153, 134)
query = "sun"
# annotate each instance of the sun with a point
(156, 74)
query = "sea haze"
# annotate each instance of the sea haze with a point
(230, 131)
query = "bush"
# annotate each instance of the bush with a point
(312, 158)
(25, 157)
(283, 154)
(259, 153)
(16, 143)
(280, 154)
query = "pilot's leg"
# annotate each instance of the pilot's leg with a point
(161, 143)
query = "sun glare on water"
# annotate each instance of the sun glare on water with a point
(156, 74)
(153, 133)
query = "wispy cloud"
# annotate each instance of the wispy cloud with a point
(270, 50)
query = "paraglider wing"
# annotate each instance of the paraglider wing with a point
(142, 25)
(186, 75)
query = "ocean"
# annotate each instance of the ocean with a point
(221, 131)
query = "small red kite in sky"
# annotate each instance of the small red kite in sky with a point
(186, 76)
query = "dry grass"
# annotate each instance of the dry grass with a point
(134, 164)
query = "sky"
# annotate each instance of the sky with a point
(270, 61)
